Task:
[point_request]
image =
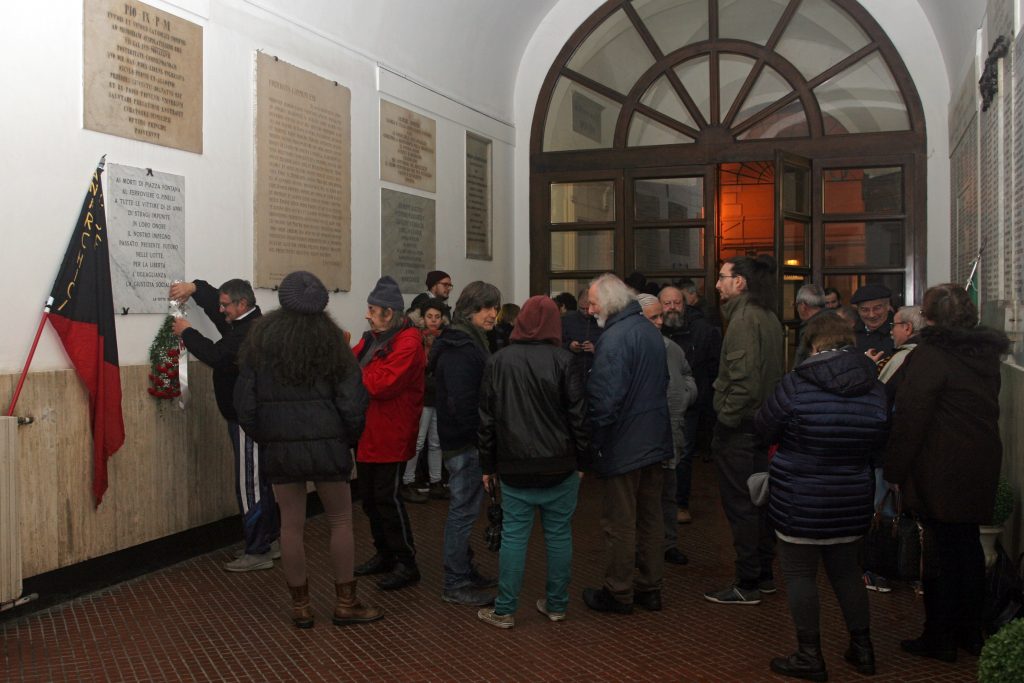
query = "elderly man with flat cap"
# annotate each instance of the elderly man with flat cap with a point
(439, 286)
(874, 330)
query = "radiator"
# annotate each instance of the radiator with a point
(10, 515)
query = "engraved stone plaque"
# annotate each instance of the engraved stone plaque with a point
(143, 74)
(146, 226)
(478, 197)
(407, 238)
(303, 212)
(407, 148)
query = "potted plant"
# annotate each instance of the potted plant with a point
(1002, 658)
(1001, 513)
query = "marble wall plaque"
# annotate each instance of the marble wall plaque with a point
(143, 74)
(407, 238)
(407, 147)
(478, 197)
(303, 207)
(146, 225)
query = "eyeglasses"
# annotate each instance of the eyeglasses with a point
(722, 276)
(446, 285)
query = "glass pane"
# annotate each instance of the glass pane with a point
(614, 54)
(796, 189)
(592, 202)
(788, 122)
(795, 244)
(668, 249)
(696, 78)
(769, 87)
(673, 199)
(862, 99)
(746, 20)
(868, 243)
(819, 36)
(579, 118)
(572, 285)
(732, 73)
(645, 131)
(863, 190)
(848, 284)
(674, 23)
(746, 202)
(583, 250)
(662, 97)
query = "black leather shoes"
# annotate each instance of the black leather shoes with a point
(676, 556)
(922, 647)
(600, 600)
(378, 564)
(401, 576)
(648, 600)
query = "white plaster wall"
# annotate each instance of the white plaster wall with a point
(904, 22)
(49, 159)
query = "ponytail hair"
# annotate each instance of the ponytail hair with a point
(759, 272)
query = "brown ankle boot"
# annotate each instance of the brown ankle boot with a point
(302, 613)
(349, 610)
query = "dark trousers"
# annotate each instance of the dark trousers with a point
(955, 590)
(738, 455)
(633, 530)
(799, 564)
(684, 468)
(261, 522)
(389, 524)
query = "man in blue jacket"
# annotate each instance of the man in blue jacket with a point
(631, 437)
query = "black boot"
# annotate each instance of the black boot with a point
(861, 652)
(806, 663)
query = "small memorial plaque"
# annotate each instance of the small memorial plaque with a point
(478, 197)
(143, 74)
(303, 212)
(146, 226)
(407, 238)
(407, 148)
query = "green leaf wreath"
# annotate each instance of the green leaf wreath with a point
(163, 363)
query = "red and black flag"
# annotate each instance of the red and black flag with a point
(82, 313)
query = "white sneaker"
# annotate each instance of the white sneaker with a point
(249, 563)
(542, 607)
(275, 551)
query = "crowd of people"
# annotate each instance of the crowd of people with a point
(626, 383)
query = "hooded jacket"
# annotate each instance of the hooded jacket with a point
(532, 405)
(394, 378)
(457, 363)
(945, 449)
(627, 396)
(829, 417)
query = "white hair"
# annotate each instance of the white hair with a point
(612, 295)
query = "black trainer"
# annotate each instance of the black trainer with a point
(378, 564)
(600, 600)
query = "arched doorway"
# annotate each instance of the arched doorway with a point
(672, 133)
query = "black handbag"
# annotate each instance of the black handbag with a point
(893, 545)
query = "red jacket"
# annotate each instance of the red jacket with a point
(394, 378)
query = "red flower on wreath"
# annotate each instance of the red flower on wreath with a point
(163, 361)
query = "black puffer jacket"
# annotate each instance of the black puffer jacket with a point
(532, 411)
(945, 450)
(305, 432)
(829, 417)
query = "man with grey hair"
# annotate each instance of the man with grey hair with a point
(393, 363)
(631, 437)
(682, 393)
(809, 302)
(232, 309)
(457, 360)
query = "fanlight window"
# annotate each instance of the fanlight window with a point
(664, 72)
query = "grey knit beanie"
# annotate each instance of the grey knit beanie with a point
(386, 294)
(302, 292)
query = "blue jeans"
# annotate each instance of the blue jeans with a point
(467, 493)
(557, 505)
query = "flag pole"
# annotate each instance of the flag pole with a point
(31, 353)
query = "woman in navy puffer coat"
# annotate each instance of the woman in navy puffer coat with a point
(829, 417)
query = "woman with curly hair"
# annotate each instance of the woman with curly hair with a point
(300, 396)
(945, 454)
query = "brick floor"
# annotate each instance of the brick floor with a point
(196, 622)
